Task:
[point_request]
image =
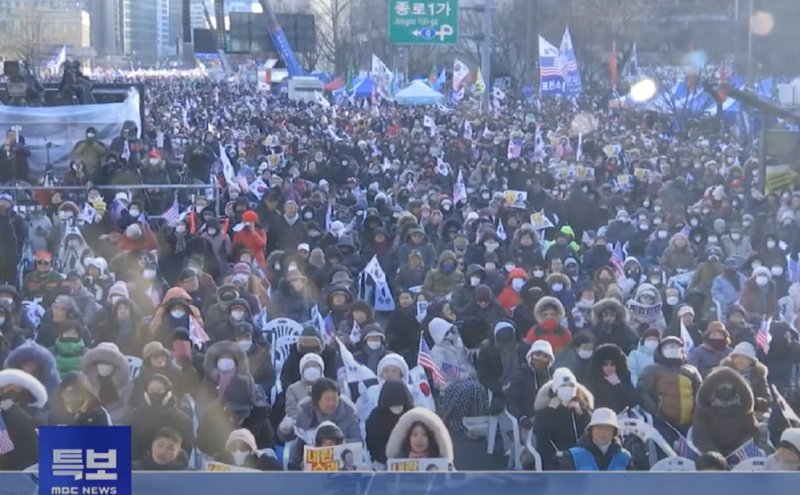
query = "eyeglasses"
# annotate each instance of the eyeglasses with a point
(42, 262)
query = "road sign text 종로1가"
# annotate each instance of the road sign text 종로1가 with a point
(431, 22)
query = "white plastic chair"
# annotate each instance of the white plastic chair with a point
(134, 366)
(514, 459)
(283, 334)
(491, 432)
(751, 464)
(674, 464)
(537, 458)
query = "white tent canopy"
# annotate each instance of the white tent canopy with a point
(418, 93)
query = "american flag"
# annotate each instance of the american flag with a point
(746, 451)
(683, 449)
(763, 337)
(617, 257)
(6, 445)
(451, 371)
(425, 360)
(173, 213)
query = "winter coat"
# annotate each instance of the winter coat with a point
(254, 460)
(254, 241)
(288, 303)
(521, 394)
(128, 336)
(290, 373)
(295, 394)
(602, 460)
(288, 236)
(558, 427)
(449, 356)
(551, 331)
(426, 249)
(396, 447)
(724, 292)
(677, 260)
(638, 360)
(757, 377)
(45, 362)
(618, 333)
(705, 358)
(667, 389)
(68, 356)
(477, 320)
(616, 397)
(723, 416)
(115, 391)
(22, 421)
(509, 298)
(147, 419)
(402, 331)
(181, 463)
(309, 418)
(438, 283)
(759, 301)
(489, 366)
(215, 425)
(382, 421)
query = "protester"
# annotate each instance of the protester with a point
(600, 448)
(420, 434)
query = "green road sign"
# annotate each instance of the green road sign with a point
(432, 22)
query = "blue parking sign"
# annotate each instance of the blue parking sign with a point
(85, 460)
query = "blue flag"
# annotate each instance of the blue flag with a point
(569, 66)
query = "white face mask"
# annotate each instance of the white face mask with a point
(135, 213)
(491, 247)
(212, 232)
(762, 280)
(538, 273)
(566, 394)
(517, 284)
(226, 364)
(396, 409)
(736, 237)
(239, 457)
(374, 344)
(178, 313)
(7, 300)
(237, 314)
(673, 300)
(509, 268)
(2, 320)
(662, 234)
(557, 287)
(777, 270)
(712, 240)
(585, 353)
(149, 274)
(474, 281)
(245, 344)
(770, 244)
(104, 369)
(180, 229)
(650, 345)
(671, 352)
(311, 374)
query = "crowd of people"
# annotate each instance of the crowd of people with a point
(637, 271)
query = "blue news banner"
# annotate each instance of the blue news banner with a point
(97, 461)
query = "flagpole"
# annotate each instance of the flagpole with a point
(750, 62)
(486, 52)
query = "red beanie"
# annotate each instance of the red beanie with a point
(250, 216)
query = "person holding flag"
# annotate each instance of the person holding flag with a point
(462, 394)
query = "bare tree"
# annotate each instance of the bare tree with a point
(335, 40)
(26, 40)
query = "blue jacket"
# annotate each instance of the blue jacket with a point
(585, 458)
(723, 291)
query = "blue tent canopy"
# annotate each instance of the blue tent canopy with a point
(363, 86)
(418, 93)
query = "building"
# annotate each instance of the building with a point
(106, 34)
(166, 41)
(140, 30)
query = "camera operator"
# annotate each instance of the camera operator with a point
(14, 158)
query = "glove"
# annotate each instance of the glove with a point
(6, 404)
(525, 423)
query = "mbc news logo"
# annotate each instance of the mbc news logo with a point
(85, 460)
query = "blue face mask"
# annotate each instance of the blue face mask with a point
(448, 267)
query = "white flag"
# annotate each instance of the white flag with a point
(382, 78)
(468, 130)
(384, 301)
(427, 121)
(356, 375)
(501, 231)
(227, 166)
(459, 189)
(460, 71)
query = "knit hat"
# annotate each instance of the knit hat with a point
(541, 346)
(250, 216)
(303, 247)
(242, 268)
(42, 255)
(312, 358)
(790, 439)
(745, 349)
(762, 271)
(118, 289)
(133, 231)
(483, 293)
(310, 337)
(327, 430)
(372, 330)
(395, 360)
(242, 435)
(438, 329)
(716, 327)
(67, 303)
(316, 258)
(651, 332)
(685, 309)
(153, 348)
(503, 325)
(564, 376)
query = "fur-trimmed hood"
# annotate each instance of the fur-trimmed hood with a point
(585, 398)
(646, 288)
(394, 447)
(559, 278)
(758, 368)
(608, 352)
(726, 377)
(31, 351)
(609, 303)
(27, 382)
(225, 347)
(538, 310)
(106, 353)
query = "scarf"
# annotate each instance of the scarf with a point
(291, 220)
(108, 391)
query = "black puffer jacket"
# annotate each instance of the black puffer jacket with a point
(617, 397)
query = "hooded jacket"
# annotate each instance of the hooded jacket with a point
(310, 417)
(618, 333)
(509, 297)
(723, 417)
(640, 358)
(22, 420)
(92, 414)
(397, 446)
(549, 330)
(382, 421)
(46, 371)
(160, 328)
(557, 426)
(114, 391)
(490, 360)
(640, 317)
(676, 259)
(617, 397)
(757, 377)
(438, 283)
(667, 389)
(760, 301)
(569, 358)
